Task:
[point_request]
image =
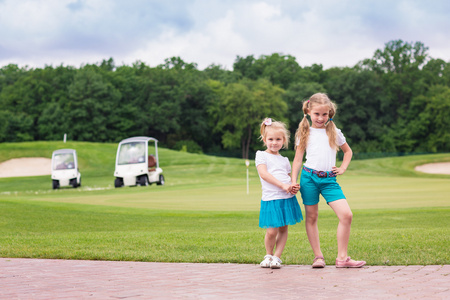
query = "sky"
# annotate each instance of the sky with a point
(334, 33)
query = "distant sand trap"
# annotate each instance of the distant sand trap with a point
(26, 166)
(38, 166)
(435, 168)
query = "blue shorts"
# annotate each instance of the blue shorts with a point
(311, 186)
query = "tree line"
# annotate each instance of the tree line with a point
(398, 101)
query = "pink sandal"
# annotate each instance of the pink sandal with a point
(349, 263)
(319, 262)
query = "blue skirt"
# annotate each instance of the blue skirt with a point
(278, 213)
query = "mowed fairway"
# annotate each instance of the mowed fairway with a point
(203, 213)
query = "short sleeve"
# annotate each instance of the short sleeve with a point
(288, 165)
(260, 158)
(340, 137)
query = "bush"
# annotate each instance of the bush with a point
(188, 146)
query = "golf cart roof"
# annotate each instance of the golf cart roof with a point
(60, 151)
(138, 139)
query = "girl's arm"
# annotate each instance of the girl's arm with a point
(262, 170)
(297, 165)
(295, 187)
(348, 153)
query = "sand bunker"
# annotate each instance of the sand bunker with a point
(38, 166)
(435, 168)
(26, 166)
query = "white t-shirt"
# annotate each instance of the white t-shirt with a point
(279, 167)
(319, 155)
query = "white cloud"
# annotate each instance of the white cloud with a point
(332, 33)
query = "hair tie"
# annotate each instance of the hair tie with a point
(268, 122)
(331, 119)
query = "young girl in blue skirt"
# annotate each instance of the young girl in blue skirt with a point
(320, 141)
(279, 206)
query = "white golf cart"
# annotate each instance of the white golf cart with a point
(65, 170)
(135, 165)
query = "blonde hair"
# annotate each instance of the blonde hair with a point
(302, 133)
(274, 125)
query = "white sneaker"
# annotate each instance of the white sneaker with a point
(266, 262)
(275, 263)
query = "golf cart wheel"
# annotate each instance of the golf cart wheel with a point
(161, 180)
(118, 182)
(143, 181)
(55, 184)
(73, 183)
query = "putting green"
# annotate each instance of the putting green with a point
(362, 192)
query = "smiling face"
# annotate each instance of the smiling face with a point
(319, 115)
(274, 141)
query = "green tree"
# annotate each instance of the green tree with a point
(241, 107)
(10, 74)
(436, 72)
(51, 121)
(358, 95)
(52, 124)
(15, 127)
(217, 72)
(399, 66)
(195, 118)
(244, 67)
(90, 106)
(126, 118)
(279, 69)
(32, 91)
(161, 96)
(430, 130)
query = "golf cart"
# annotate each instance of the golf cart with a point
(135, 165)
(65, 169)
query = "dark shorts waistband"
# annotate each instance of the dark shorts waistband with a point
(320, 173)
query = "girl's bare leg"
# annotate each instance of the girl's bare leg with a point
(270, 239)
(281, 240)
(312, 230)
(345, 216)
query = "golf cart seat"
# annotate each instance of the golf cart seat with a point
(151, 163)
(61, 166)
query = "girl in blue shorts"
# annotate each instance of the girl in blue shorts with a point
(279, 206)
(320, 141)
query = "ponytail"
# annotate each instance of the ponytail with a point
(302, 133)
(331, 128)
(265, 122)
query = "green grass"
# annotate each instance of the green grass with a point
(74, 231)
(203, 213)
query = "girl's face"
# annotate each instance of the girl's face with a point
(319, 115)
(274, 141)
